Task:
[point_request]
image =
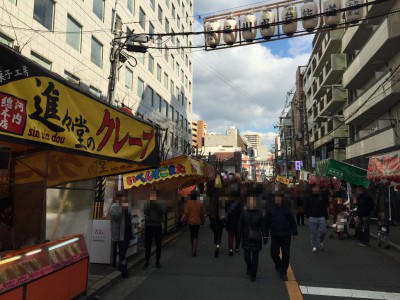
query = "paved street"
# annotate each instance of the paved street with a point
(343, 270)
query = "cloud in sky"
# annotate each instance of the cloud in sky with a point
(245, 86)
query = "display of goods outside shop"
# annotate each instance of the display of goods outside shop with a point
(385, 169)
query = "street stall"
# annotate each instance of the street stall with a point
(55, 140)
(384, 171)
(330, 173)
(173, 174)
(349, 173)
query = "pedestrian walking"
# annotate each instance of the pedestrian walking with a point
(280, 224)
(365, 205)
(121, 230)
(316, 210)
(216, 222)
(252, 231)
(233, 211)
(154, 218)
(193, 213)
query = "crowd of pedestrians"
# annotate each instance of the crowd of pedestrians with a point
(252, 215)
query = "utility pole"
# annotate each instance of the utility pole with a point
(114, 58)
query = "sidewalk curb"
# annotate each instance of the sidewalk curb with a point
(133, 262)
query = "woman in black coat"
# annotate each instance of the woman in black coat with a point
(251, 220)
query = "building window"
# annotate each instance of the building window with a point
(159, 72)
(167, 3)
(178, 21)
(160, 14)
(43, 12)
(166, 26)
(128, 78)
(74, 33)
(141, 58)
(131, 6)
(173, 36)
(172, 112)
(166, 80)
(41, 60)
(142, 18)
(177, 69)
(176, 117)
(150, 65)
(71, 78)
(96, 55)
(159, 43)
(140, 88)
(152, 4)
(190, 66)
(166, 108)
(166, 54)
(98, 9)
(186, 61)
(149, 95)
(190, 86)
(94, 91)
(172, 87)
(183, 99)
(173, 11)
(157, 101)
(182, 76)
(172, 62)
(6, 40)
(151, 31)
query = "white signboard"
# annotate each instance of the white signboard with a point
(100, 251)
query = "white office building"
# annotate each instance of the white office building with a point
(74, 39)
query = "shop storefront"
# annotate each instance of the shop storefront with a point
(55, 140)
(384, 171)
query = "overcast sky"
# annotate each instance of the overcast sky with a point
(245, 86)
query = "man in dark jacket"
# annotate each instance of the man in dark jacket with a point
(316, 209)
(280, 224)
(365, 205)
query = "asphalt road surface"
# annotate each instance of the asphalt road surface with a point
(343, 270)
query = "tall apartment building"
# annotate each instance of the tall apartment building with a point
(325, 96)
(73, 39)
(351, 87)
(254, 140)
(372, 81)
(199, 130)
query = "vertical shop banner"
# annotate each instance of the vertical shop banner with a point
(40, 108)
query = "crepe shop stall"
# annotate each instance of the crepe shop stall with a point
(176, 173)
(55, 140)
(384, 171)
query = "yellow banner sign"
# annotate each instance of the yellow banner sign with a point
(181, 166)
(282, 179)
(39, 108)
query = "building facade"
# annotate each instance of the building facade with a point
(254, 140)
(351, 89)
(73, 39)
(199, 130)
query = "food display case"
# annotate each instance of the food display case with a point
(54, 270)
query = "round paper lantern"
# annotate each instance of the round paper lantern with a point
(266, 18)
(354, 15)
(332, 17)
(289, 26)
(230, 32)
(309, 10)
(249, 31)
(212, 37)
